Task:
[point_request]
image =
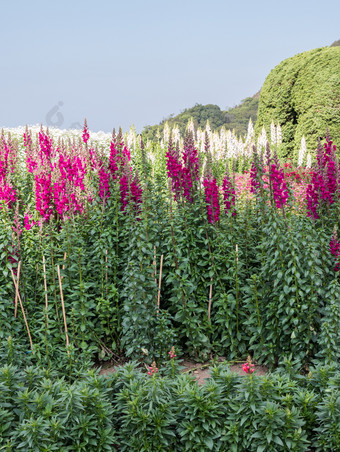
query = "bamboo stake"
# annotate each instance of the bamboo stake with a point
(159, 284)
(45, 284)
(210, 299)
(22, 308)
(155, 263)
(16, 294)
(65, 256)
(63, 306)
(106, 269)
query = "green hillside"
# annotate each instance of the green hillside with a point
(235, 118)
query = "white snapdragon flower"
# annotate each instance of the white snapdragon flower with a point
(176, 135)
(278, 135)
(191, 127)
(166, 133)
(262, 140)
(302, 151)
(273, 133)
(250, 138)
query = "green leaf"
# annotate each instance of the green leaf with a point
(278, 440)
(260, 448)
(209, 443)
(269, 437)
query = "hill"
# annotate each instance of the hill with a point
(235, 118)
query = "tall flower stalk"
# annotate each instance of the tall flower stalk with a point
(324, 187)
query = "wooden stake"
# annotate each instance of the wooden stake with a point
(63, 306)
(155, 263)
(45, 284)
(210, 299)
(22, 308)
(159, 284)
(65, 256)
(16, 293)
(106, 268)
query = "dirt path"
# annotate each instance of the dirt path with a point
(199, 370)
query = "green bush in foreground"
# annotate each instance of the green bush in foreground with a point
(130, 410)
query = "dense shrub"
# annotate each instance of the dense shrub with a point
(302, 94)
(134, 411)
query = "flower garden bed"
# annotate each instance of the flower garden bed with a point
(144, 253)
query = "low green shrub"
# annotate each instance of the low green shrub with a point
(130, 410)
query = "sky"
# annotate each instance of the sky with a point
(133, 63)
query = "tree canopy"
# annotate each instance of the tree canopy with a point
(235, 118)
(302, 94)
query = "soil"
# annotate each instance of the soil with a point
(199, 370)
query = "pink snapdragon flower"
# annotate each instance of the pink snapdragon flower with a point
(324, 187)
(334, 248)
(190, 156)
(7, 194)
(104, 182)
(279, 185)
(86, 134)
(229, 195)
(212, 199)
(172, 353)
(174, 169)
(184, 174)
(152, 369)
(248, 368)
(27, 224)
(118, 159)
(46, 147)
(130, 191)
(254, 181)
(44, 195)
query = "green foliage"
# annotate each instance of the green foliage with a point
(328, 417)
(134, 411)
(335, 43)
(302, 94)
(146, 412)
(235, 118)
(49, 415)
(330, 326)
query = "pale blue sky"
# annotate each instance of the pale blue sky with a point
(133, 62)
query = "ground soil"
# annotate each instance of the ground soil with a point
(199, 370)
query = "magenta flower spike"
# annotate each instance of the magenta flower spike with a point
(256, 172)
(86, 134)
(212, 199)
(174, 169)
(280, 190)
(229, 195)
(334, 248)
(323, 189)
(7, 164)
